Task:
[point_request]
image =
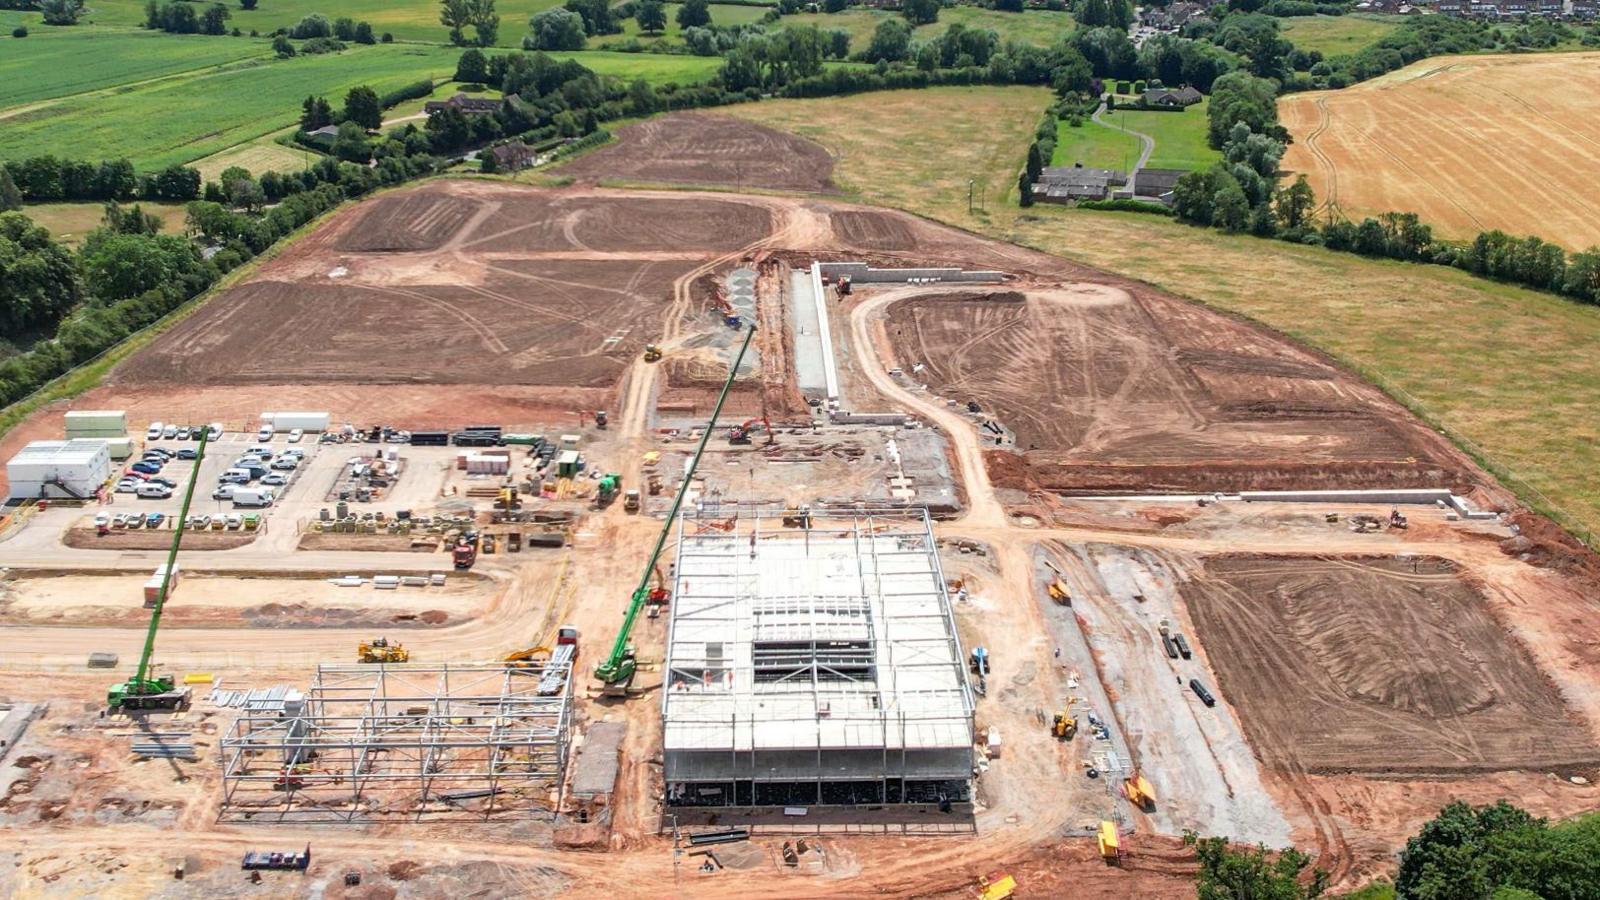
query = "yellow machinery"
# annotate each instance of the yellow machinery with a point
(1058, 592)
(1138, 792)
(1065, 726)
(996, 886)
(379, 650)
(652, 353)
(1110, 848)
(526, 657)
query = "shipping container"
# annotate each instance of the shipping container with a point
(289, 421)
(530, 440)
(112, 420)
(1169, 646)
(430, 438)
(1201, 692)
(119, 447)
(1183, 646)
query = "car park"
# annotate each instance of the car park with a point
(154, 431)
(169, 432)
(154, 520)
(286, 463)
(154, 491)
(276, 479)
(295, 434)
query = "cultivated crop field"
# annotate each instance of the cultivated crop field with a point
(1468, 143)
(1038, 27)
(1378, 666)
(56, 62)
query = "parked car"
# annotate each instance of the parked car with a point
(286, 463)
(234, 521)
(153, 433)
(234, 476)
(183, 433)
(103, 520)
(135, 474)
(169, 432)
(154, 520)
(265, 434)
(276, 479)
(120, 520)
(263, 453)
(166, 481)
(162, 452)
(295, 434)
(128, 485)
(154, 491)
(188, 453)
(295, 452)
(201, 523)
(134, 521)
(214, 431)
(145, 468)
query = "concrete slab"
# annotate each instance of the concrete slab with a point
(594, 772)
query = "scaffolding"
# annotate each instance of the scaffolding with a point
(369, 743)
(813, 659)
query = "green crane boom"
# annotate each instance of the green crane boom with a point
(128, 693)
(618, 667)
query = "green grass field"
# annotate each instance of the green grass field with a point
(1094, 146)
(57, 62)
(1337, 35)
(1038, 27)
(1539, 431)
(70, 223)
(180, 120)
(1180, 136)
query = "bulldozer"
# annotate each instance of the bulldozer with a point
(1397, 519)
(1065, 726)
(652, 353)
(379, 650)
(1138, 792)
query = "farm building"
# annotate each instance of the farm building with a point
(813, 660)
(1170, 98)
(469, 105)
(59, 469)
(1064, 184)
(512, 156)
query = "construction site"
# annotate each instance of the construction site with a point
(639, 536)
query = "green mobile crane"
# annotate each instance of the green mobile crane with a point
(618, 668)
(143, 690)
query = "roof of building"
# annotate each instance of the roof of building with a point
(464, 103)
(78, 451)
(1185, 95)
(1160, 180)
(1081, 175)
(836, 637)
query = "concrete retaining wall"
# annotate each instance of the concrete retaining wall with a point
(855, 418)
(861, 273)
(1405, 497)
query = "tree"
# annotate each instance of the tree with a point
(132, 220)
(361, 106)
(351, 143)
(472, 67)
(838, 43)
(741, 68)
(1227, 873)
(1024, 190)
(344, 28)
(1008, 5)
(315, 25)
(1035, 168)
(555, 29)
(485, 21)
(38, 281)
(1241, 97)
(121, 266)
(694, 13)
(1095, 13)
(651, 16)
(364, 33)
(175, 184)
(920, 12)
(21, 31)
(1467, 852)
(315, 113)
(10, 197)
(1294, 204)
(598, 16)
(448, 129)
(835, 6)
(211, 21)
(247, 4)
(282, 47)
(1072, 73)
(455, 15)
(61, 12)
(891, 41)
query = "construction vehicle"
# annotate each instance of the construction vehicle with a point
(996, 886)
(524, 658)
(740, 434)
(601, 420)
(1110, 847)
(630, 500)
(654, 485)
(1058, 592)
(1064, 727)
(652, 353)
(379, 650)
(1139, 792)
(616, 671)
(146, 691)
(1397, 519)
(607, 490)
(559, 667)
(464, 554)
(659, 594)
(978, 662)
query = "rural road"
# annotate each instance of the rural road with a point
(1145, 139)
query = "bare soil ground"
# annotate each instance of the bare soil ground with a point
(143, 539)
(1378, 666)
(1143, 392)
(1467, 143)
(694, 148)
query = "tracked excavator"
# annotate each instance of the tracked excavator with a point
(616, 671)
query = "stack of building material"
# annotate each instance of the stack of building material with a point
(164, 747)
(110, 426)
(487, 464)
(152, 586)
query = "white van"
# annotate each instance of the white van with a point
(235, 476)
(251, 498)
(154, 491)
(153, 433)
(213, 431)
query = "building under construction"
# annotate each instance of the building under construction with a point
(812, 660)
(402, 743)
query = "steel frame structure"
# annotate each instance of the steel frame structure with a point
(390, 742)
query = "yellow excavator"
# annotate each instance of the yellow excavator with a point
(379, 650)
(652, 353)
(526, 657)
(1065, 726)
(1058, 592)
(1138, 792)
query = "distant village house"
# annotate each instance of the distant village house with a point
(469, 105)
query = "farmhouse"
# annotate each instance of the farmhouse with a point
(480, 106)
(1171, 98)
(511, 157)
(1065, 184)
